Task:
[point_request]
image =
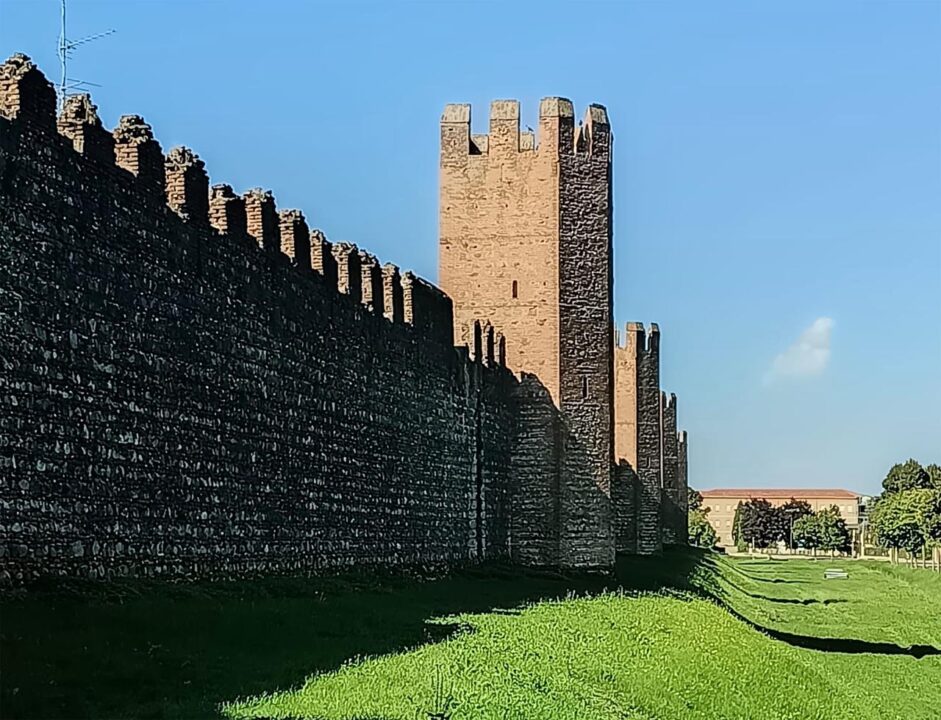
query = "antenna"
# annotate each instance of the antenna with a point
(65, 49)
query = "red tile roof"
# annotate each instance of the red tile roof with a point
(777, 493)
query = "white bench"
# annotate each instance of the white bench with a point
(835, 574)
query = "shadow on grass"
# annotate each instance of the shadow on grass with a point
(150, 650)
(715, 590)
(790, 601)
(841, 645)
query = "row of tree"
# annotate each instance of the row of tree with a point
(907, 516)
(759, 524)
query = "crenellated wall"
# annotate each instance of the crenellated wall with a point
(194, 384)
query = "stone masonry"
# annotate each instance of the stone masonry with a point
(682, 449)
(197, 384)
(669, 509)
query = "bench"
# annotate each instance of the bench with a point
(835, 574)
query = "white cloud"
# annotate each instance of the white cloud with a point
(808, 356)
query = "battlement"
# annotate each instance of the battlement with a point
(637, 339)
(80, 123)
(484, 344)
(25, 92)
(557, 133)
(427, 308)
(180, 178)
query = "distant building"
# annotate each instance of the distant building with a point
(722, 503)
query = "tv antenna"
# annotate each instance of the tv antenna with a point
(65, 48)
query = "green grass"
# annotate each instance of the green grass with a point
(689, 636)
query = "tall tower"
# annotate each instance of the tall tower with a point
(639, 432)
(525, 242)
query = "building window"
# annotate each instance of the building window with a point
(516, 289)
(584, 388)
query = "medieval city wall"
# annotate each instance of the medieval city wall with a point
(196, 384)
(193, 384)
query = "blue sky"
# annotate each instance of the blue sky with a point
(777, 177)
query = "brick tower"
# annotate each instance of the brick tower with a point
(525, 242)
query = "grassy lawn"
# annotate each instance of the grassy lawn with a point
(688, 636)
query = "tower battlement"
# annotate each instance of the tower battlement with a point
(557, 133)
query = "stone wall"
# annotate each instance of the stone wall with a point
(625, 499)
(669, 510)
(193, 384)
(682, 448)
(585, 344)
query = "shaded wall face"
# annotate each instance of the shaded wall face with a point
(586, 354)
(177, 402)
(649, 436)
(670, 511)
(683, 487)
(625, 499)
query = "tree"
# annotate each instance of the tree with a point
(897, 520)
(761, 524)
(693, 499)
(807, 532)
(929, 512)
(701, 532)
(906, 476)
(740, 543)
(793, 510)
(934, 475)
(831, 527)
(823, 530)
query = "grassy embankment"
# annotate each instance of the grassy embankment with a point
(689, 636)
